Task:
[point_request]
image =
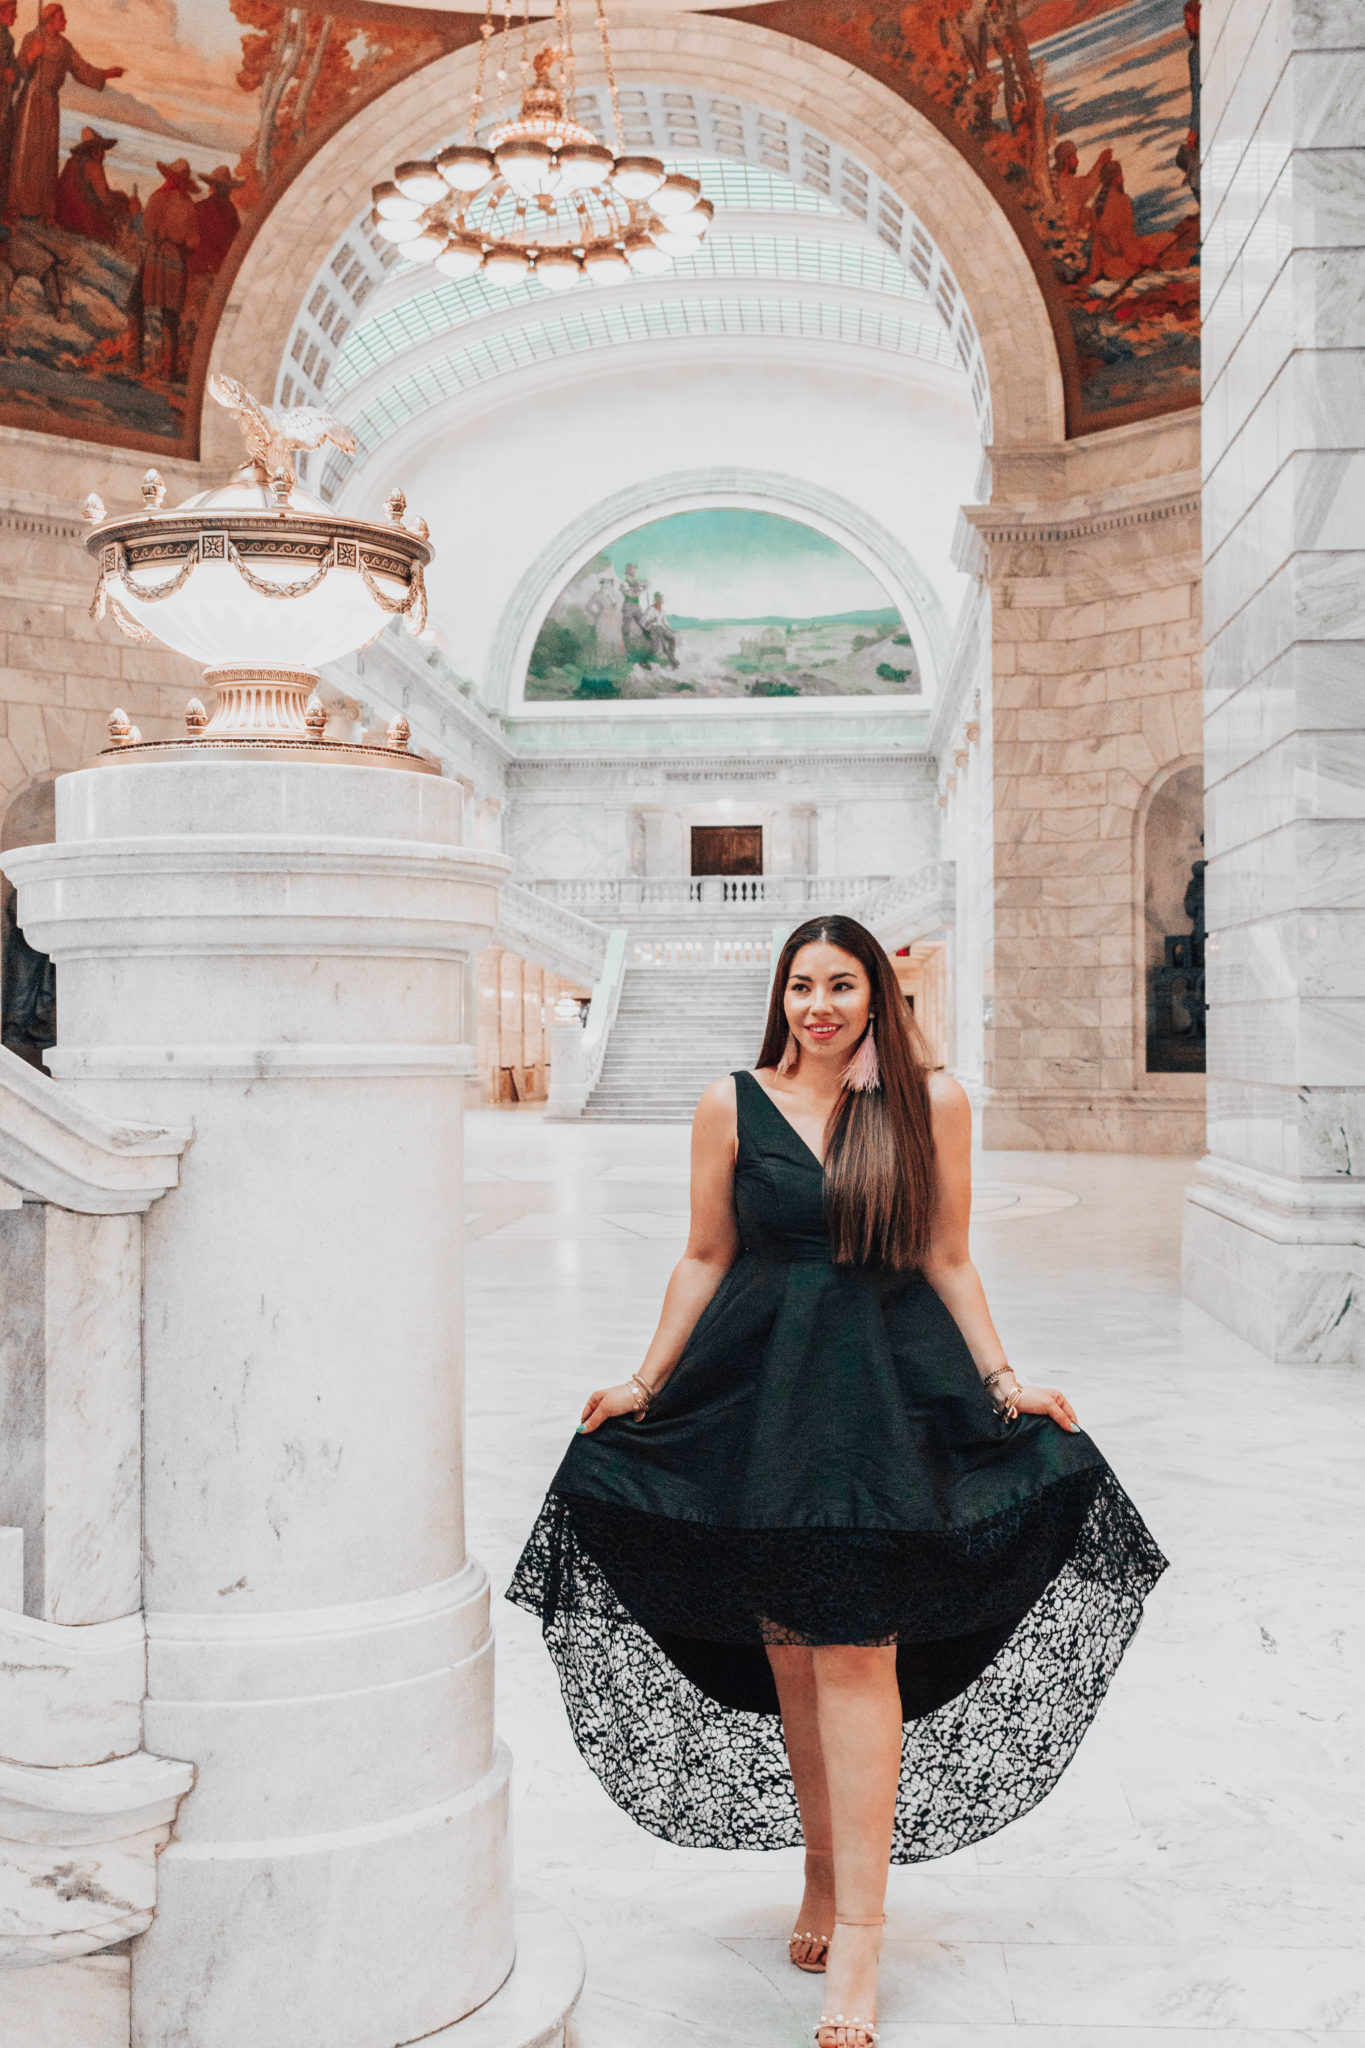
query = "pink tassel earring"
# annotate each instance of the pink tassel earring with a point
(791, 1053)
(863, 1072)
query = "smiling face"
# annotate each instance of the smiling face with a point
(826, 1002)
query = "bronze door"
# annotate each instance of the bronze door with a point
(727, 849)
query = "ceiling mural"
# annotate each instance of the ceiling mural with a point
(1083, 116)
(721, 602)
(143, 141)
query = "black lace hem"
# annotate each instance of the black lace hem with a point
(676, 1717)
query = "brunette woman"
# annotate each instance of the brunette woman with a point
(823, 1570)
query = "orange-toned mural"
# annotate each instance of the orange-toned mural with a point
(142, 142)
(1083, 115)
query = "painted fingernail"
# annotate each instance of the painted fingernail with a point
(582, 1429)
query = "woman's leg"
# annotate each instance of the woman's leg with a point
(858, 1716)
(793, 1670)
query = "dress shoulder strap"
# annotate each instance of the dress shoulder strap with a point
(745, 1085)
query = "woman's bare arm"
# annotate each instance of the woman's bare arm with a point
(712, 1243)
(948, 1267)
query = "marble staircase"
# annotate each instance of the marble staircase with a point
(677, 1029)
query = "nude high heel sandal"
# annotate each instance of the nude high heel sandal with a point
(858, 2033)
(815, 1967)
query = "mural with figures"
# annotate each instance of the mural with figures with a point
(721, 603)
(142, 142)
(1084, 116)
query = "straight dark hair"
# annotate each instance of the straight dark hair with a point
(879, 1145)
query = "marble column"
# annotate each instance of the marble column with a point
(1275, 1227)
(274, 953)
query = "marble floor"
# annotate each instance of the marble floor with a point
(1199, 1876)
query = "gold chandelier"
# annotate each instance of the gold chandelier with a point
(546, 198)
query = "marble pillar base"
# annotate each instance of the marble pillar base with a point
(1099, 1120)
(1281, 1262)
(533, 2006)
(81, 2003)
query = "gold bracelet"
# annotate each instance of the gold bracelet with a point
(998, 1374)
(646, 1400)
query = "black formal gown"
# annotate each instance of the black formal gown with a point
(825, 1466)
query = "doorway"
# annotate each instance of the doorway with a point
(727, 849)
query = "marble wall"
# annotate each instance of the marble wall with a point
(1089, 553)
(829, 813)
(1275, 1229)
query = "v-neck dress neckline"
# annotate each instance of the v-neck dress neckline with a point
(775, 1106)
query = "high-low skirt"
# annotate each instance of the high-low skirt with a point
(825, 1466)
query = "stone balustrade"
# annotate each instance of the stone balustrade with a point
(84, 1810)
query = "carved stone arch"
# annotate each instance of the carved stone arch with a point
(655, 498)
(902, 144)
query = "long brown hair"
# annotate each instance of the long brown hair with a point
(879, 1145)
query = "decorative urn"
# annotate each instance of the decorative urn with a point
(262, 583)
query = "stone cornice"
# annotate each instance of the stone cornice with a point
(1143, 504)
(721, 768)
(36, 519)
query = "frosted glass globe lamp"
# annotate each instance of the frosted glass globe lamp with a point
(460, 258)
(676, 195)
(262, 583)
(558, 271)
(420, 181)
(646, 259)
(465, 167)
(636, 177)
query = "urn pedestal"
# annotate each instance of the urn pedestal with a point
(272, 952)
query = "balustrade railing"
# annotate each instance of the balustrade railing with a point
(619, 894)
(550, 932)
(737, 950)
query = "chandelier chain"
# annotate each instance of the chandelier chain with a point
(568, 67)
(503, 48)
(611, 74)
(476, 101)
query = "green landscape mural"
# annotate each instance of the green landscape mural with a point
(721, 602)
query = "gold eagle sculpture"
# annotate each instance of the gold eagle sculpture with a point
(274, 433)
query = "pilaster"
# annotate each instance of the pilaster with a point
(1090, 553)
(1275, 1226)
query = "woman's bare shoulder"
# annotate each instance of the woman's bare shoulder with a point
(948, 1099)
(717, 1104)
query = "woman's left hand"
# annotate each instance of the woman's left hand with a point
(1046, 1401)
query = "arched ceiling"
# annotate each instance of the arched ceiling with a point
(807, 246)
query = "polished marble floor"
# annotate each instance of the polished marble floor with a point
(1198, 1880)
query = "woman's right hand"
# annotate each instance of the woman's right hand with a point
(608, 1401)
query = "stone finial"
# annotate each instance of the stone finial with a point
(315, 716)
(396, 505)
(153, 490)
(196, 718)
(120, 726)
(93, 509)
(421, 529)
(400, 732)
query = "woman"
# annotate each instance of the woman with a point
(825, 1503)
